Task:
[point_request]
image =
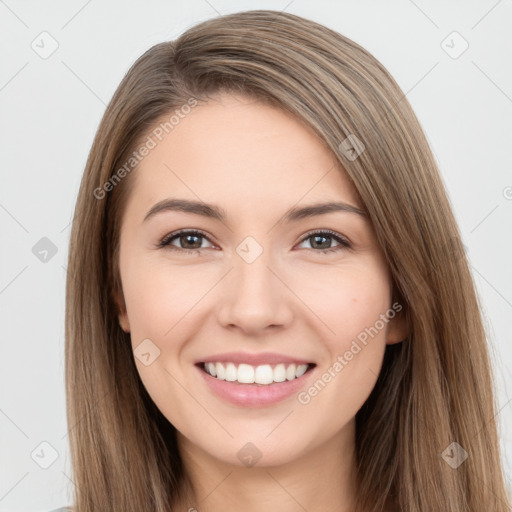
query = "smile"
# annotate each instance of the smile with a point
(264, 374)
(263, 390)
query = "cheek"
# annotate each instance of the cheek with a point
(351, 303)
(157, 298)
(160, 306)
(346, 300)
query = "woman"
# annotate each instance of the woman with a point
(268, 304)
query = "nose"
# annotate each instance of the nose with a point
(254, 297)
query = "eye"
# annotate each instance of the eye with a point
(319, 241)
(190, 241)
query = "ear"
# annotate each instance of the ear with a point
(122, 313)
(398, 328)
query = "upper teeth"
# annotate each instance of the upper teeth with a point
(247, 374)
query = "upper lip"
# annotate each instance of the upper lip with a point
(253, 359)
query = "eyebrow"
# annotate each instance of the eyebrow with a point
(217, 213)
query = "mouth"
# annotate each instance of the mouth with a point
(262, 375)
(255, 394)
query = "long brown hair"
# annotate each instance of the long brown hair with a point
(435, 387)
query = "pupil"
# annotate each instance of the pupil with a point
(188, 237)
(316, 244)
(316, 237)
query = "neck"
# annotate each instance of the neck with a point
(322, 479)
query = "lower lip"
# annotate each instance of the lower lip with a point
(255, 395)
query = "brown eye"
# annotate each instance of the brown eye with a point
(189, 241)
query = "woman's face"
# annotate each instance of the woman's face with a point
(256, 281)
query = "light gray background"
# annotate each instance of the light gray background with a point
(51, 107)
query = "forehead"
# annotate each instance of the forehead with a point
(236, 150)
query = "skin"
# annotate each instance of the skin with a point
(255, 162)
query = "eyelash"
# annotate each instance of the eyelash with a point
(165, 242)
